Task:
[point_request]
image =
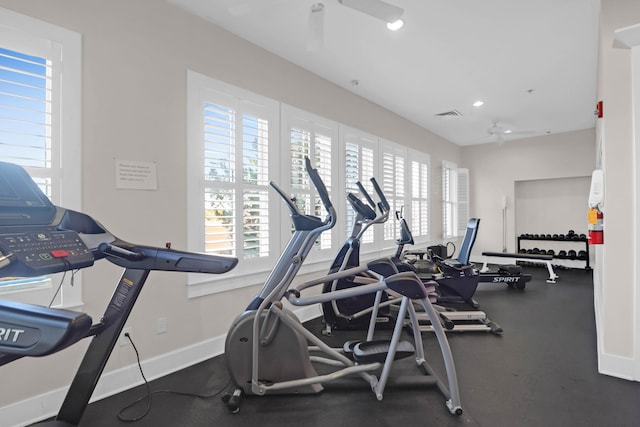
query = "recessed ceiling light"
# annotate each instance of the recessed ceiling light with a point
(508, 131)
(478, 104)
(395, 26)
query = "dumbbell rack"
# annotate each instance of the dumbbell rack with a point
(575, 240)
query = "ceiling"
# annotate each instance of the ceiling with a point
(532, 62)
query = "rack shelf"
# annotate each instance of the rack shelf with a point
(575, 239)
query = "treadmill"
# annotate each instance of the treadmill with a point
(38, 238)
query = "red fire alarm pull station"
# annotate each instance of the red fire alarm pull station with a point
(599, 109)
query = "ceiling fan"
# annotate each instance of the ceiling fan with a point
(498, 133)
(379, 9)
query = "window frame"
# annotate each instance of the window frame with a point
(370, 242)
(397, 155)
(368, 148)
(201, 89)
(294, 117)
(457, 197)
(421, 159)
(32, 36)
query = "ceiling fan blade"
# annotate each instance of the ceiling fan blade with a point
(376, 8)
(241, 8)
(521, 132)
(315, 38)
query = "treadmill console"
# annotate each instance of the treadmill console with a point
(43, 252)
(36, 237)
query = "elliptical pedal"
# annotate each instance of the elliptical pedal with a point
(376, 351)
(348, 346)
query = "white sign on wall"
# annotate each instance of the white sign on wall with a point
(135, 175)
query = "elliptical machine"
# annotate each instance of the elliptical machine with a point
(354, 313)
(267, 348)
(38, 238)
(456, 282)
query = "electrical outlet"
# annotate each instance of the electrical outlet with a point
(123, 341)
(162, 325)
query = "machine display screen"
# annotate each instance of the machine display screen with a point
(21, 200)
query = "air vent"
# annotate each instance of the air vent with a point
(452, 113)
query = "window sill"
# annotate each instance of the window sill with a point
(199, 285)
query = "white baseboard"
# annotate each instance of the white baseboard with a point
(618, 366)
(46, 405)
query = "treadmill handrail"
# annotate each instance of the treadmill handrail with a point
(166, 259)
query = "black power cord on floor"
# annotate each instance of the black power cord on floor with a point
(149, 393)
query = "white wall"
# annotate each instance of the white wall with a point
(495, 168)
(551, 206)
(135, 60)
(616, 279)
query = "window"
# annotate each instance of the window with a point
(419, 212)
(393, 166)
(313, 137)
(235, 182)
(455, 200)
(238, 141)
(40, 125)
(360, 157)
(232, 133)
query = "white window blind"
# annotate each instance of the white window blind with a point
(449, 222)
(393, 185)
(419, 196)
(462, 200)
(312, 137)
(231, 134)
(360, 158)
(455, 199)
(236, 181)
(25, 110)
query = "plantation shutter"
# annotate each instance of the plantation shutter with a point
(27, 117)
(448, 186)
(419, 198)
(219, 175)
(393, 176)
(462, 201)
(236, 181)
(255, 196)
(313, 141)
(359, 166)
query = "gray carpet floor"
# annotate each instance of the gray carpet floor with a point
(542, 371)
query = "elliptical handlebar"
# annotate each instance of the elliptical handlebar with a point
(292, 206)
(300, 219)
(320, 187)
(362, 208)
(366, 195)
(384, 204)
